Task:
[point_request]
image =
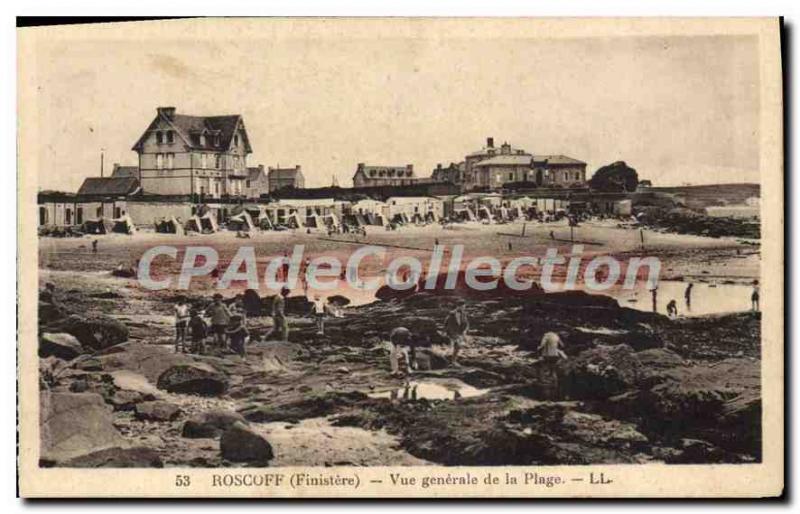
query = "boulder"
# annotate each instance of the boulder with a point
(130, 381)
(210, 424)
(137, 457)
(193, 378)
(602, 372)
(96, 332)
(309, 407)
(61, 345)
(124, 400)
(74, 424)
(240, 444)
(157, 411)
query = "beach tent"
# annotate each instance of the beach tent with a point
(123, 225)
(98, 226)
(470, 214)
(264, 223)
(315, 221)
(294, 221)
(208, 224)
(331, 221)
(193, 224)
(361, 220)
(484, 214)
(169, 226)
(242, 221)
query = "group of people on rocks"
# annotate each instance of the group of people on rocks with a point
(226, 326)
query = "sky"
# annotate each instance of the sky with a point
(678, 109)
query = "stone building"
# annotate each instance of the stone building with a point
(373, 176)
(256, 183)
(280, 178)
(493, 167)
(181, 154)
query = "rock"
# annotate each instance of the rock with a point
(210, 424)
(195, 378)
(96, 332)
(694, 451)
(310, 407)
(602, 372)
(130, 381)
(339, 300)
(240, 444)
(74, 424)
(137, 457)
(61, 345)
(90, 365)
(157, 411)
(123, 400)
(428, 360)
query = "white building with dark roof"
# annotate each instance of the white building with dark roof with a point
(181, 154)
(493, 167)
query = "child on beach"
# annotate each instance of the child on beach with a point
(238, 334)
(181, 322)
(198, 331)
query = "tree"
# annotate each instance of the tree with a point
(615, 177)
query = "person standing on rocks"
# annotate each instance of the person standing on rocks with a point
(280, 326)
(401, 337)
(687, 295)
(237, 333)
(456, 325)
(551, 349)
(94, 245)
(755, 296)
(181, 322)
(198, 331)
(220, 317)
(319, 314)
(398, 356)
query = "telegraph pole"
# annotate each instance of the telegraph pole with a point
(101, 161)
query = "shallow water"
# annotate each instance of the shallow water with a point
(449, 389)
(707, 298)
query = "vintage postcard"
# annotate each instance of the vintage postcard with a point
(399, 258)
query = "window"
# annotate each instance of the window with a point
(79, 216)
(236, 162)
(68, 216)
(159, 137)
(247, 183)
(511, 177)
(202, 140)
(170, 137)
(170, 160)
(159, 161)
(218, 161)
(203, 161)
(117, 212)
(99, 212)
(42, 216)
(236, 140)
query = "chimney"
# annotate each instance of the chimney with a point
(489, 142)
(297, 167)
(116, 167)
(439, 166)
(167, 112)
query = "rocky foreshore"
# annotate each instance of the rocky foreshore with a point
(636, 387)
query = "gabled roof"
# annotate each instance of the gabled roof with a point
(109, 186)
(254, 172)
(189, 128)
(506, 160)
(556, 159)
(284, 173)
(125, 171)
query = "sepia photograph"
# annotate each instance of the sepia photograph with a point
(401, 257)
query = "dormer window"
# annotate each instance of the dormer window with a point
(159, 137)
(202, 140)
(170, 137)
(236, 140)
